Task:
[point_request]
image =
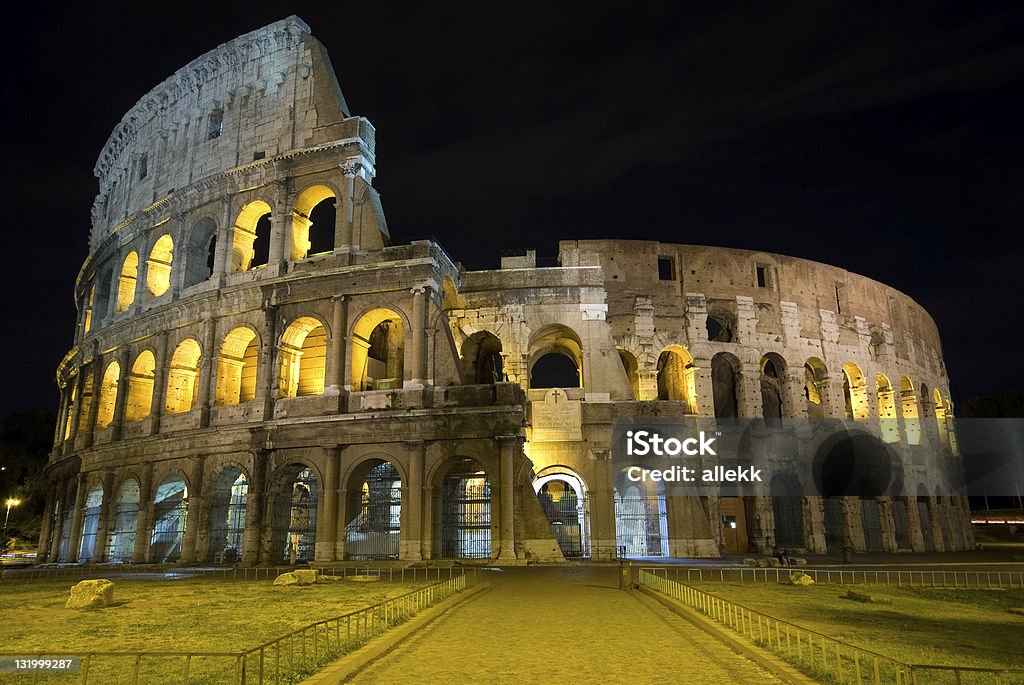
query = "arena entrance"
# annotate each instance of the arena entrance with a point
(294, 534)
(567, 506)
(170, 513)
(734, 525)
(466, 511)
(641, 518)
(227, 502)
(121, 540)
(373, 512)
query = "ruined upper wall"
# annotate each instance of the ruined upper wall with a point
(255, 97)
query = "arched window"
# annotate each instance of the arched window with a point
(676, 377)
(227, 502)
(481, 358)
(773, 371)
(378, 350)
(182, 378)
(313, 222)
(855, 391)
(250, 244)
(303, 357)
(724, 383)
(200, 252)
(140, 387)
(815, 375)
(940, 418)
(158, 267)
(720, 325)
(121, 538)
(236, 367)
(108, 395)
(565, 502)
(556, 358)
(90, 524)
(170, 511)
(909, 410)
(126, 282)
(888, 422)
(373, 512)
(629, 364)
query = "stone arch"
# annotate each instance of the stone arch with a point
(378, 350)
(250, 241)
(815, 382)
(720, 325)
(773, 387)
(373, 508)
(481, 358)
(855, 392)
(313, 221)
(139, 402)
(464, 520)
(294, 513)
(909, 411)
(303, 358)
(158, 266)
(565, 501)
(632, 369)
(200, 252)
(125, 520)
(888, 423)
(183, 377)
(725, 377)
(940, 411)
(127, 281)
(170, 511)
(677, 377)
(559, 352)
(108, 395)
(227, 500)
(237, 366)
(641, 517)
(93, 506)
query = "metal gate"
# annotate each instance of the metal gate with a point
(466, 514)
(374, 532)
(834, 538)
(90, 524)
(300, 540)
(569, 517)
(170, 512)
(901, 523)
(789, 521)
(641, 524)
(872, 521)
(926, 526)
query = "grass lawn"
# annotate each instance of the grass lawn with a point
(917, 626)
(182, 615)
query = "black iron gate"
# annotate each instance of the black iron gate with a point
(641, 525)
(466, 515)
(569, 516)
(374, 532)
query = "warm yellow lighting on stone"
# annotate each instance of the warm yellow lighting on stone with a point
(303, 357)
(378, 344)
(855, 389)
(108, 394)
(158, 267)
(910, 412)
(140, 387)
(182, 388)
(307, 200)
(245, 234)
(126, 282)
(887, 409)
(236, 367)
(676, 377)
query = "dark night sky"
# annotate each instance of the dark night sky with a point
(887, 143)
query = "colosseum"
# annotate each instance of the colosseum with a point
(261, 374)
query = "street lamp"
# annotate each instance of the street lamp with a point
(10, 503)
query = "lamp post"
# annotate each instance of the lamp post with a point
(10, 503)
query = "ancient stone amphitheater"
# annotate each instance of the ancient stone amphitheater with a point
(261, 374)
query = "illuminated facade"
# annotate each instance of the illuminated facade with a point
(259, 375)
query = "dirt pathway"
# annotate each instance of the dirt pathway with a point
(561, 625)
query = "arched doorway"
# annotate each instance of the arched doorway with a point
(227, 501)
(556, 358)
(466, 511)
(641, 518)
(677, 378)
(787, 507)
(481, 358)
(725, 369)
(90, 523)
(170, 513)
(121, 539)
(566, 504)
(295, 504)
(378, 351)
(373, 512)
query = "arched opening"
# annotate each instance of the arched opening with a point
(887, 420)
(940, 417)
(871, 520)
(139, 402)
(909, 410)
(87, 309)
(773, 371)
(87, 399)
(126, 282)
(200, 252)
(227, 501)
(250, 243)
(631, 367)
(641, 518)
(556, 358)
(158, 266)
(313, 222)
(182, 377)
(725, 369)
(236, 367)
(677, 378)
(835, 535)
(373, 511)
(900, 520)
(924, 517)
(566, 503)
(378, 351)
(102, 292)
(295, 504)
(720, 326)
(855, 391)
(170, 512)
(69, 415)
(481, 358)
(121, 539)
(108, 395)
(90, 523)
(787, 507)
(465, 511)
(303, 354)
(815, 377)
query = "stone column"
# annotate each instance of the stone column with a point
(196, 513)
(327, 530)
(602, 507)
(144, 522)
(748, 389)
(938, 536)
(94, 401)
(343, 233)
(63, 494)
(45, 529)
(121, 401)
(704, 386)
(415, 368)
(265, 370)
(207, 370)
(76, 409)
(913, 524)
(75, 538)
(793, 403)
(853, 524)
(222, 251)
(341, 516)
(814, 524)
(411, 546)
(254, 509)
(507, 445)
(885, 513)
(107, 509)
(267, 552)
(280, 231)
(336, 370)
(160, 363)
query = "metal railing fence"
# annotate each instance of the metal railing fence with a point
(898, 578)
(286, 659)
(413, 573)
(820, 656)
